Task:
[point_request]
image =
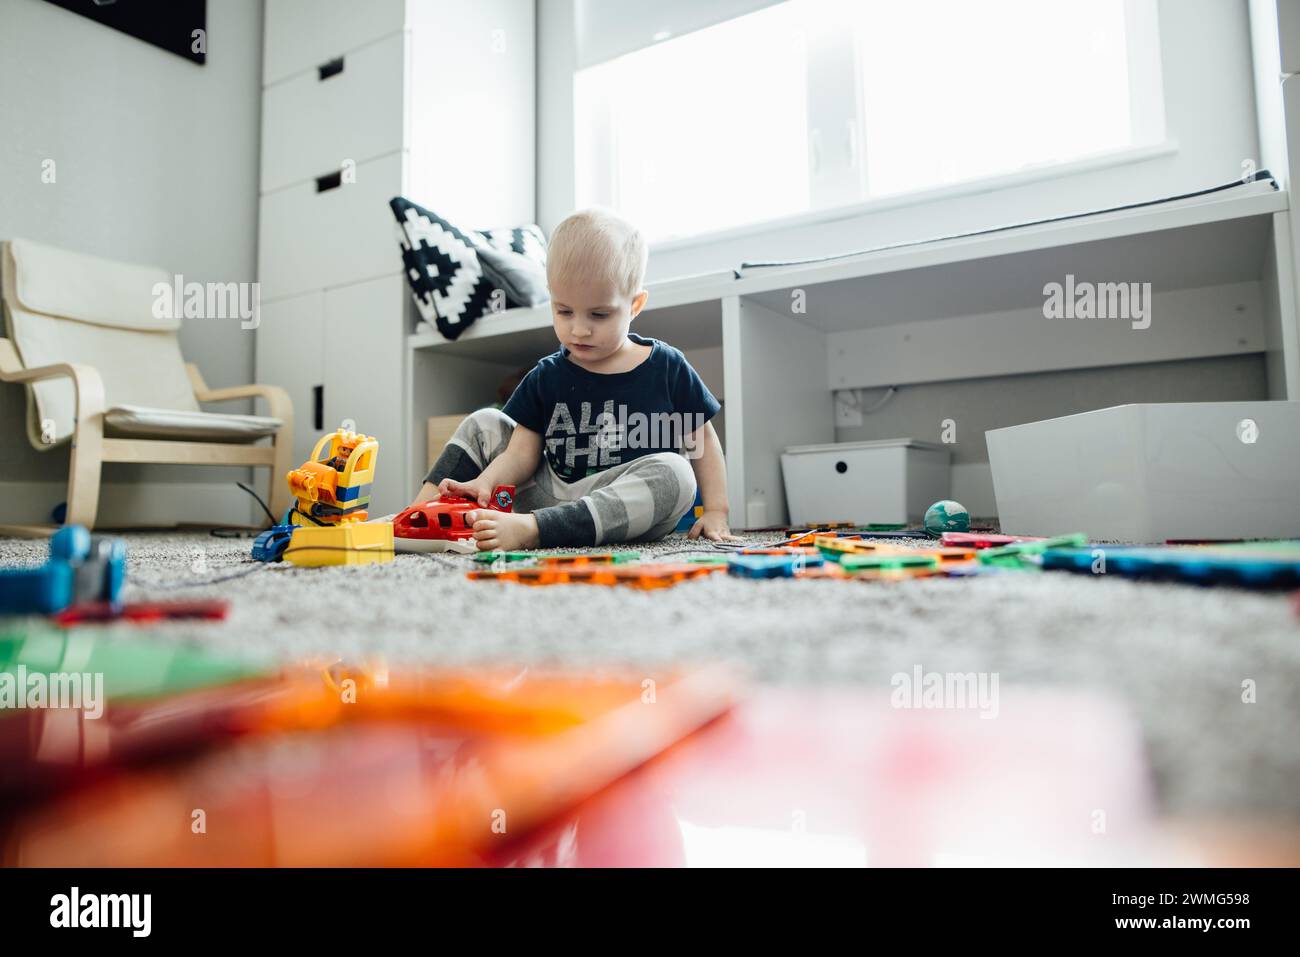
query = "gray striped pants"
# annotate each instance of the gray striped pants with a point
(637, 501)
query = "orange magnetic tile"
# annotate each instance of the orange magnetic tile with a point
(660, 575)
(593, 558)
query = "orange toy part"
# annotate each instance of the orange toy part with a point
(597, 558)
(314, 482)
(663, 575)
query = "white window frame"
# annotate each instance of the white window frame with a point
(836, 120)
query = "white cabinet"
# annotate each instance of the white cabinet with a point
(303, 34)
(363, 366)
(317, 235)
(312, 126)
(361, 102)
(290, 354)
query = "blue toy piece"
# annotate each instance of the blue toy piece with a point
(771, 566)
(687, 521)
(1253, 565)
(270, 545)
(81, 568)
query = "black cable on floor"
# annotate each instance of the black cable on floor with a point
(267, 510)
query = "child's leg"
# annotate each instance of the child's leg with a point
(480, 437)
(639, 501)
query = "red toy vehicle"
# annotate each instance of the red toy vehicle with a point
(443, 519)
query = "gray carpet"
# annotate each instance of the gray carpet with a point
(1175, 656)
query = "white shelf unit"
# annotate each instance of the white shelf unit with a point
(361, 102)
(1221, 278)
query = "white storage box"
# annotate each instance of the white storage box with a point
(887, 481)
(1147, 473)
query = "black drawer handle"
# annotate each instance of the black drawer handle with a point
(328, 182)
(332, 68)
(318, 407)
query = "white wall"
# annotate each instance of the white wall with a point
(156, 162)
(1209, 107)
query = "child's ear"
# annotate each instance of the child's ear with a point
(638, 302)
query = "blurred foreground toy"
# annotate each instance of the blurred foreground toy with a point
(81, 567)
(440, 792)
(892, 787)
(123, 667)
(946, 516)
(143, 612)
(121, 724)
(443, 525)
(1250, 564)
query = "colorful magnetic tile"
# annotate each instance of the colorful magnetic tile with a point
(662, 575)
(491, 558)
(824, 570)
(906, 533)
(771, 566)
(590, 558)
(778, 550)
(835, 548)
(798, 540)
(982, 539)
(884, 560)
(1275, 565)
(142, 612)
(1015, 551)
(950, 556)
(897, 574)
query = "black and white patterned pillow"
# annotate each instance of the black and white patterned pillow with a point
(442, 266)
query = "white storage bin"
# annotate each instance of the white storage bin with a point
(886, 481)
(1151, 472)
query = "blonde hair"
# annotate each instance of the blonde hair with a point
(599, 244)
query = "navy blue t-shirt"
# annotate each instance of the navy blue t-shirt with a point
(590, 420)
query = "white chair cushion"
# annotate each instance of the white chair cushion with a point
(137, 422)
(139, 361)
(105, 292)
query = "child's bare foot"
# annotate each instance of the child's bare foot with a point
(504, 531)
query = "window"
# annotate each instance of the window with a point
(701, 132)
(813, 105)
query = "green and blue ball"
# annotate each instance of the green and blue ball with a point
(946, 516)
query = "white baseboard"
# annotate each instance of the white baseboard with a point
(135, 505)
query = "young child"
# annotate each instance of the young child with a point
(607, 439)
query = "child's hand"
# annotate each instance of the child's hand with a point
(713, 526)
(476, 489)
